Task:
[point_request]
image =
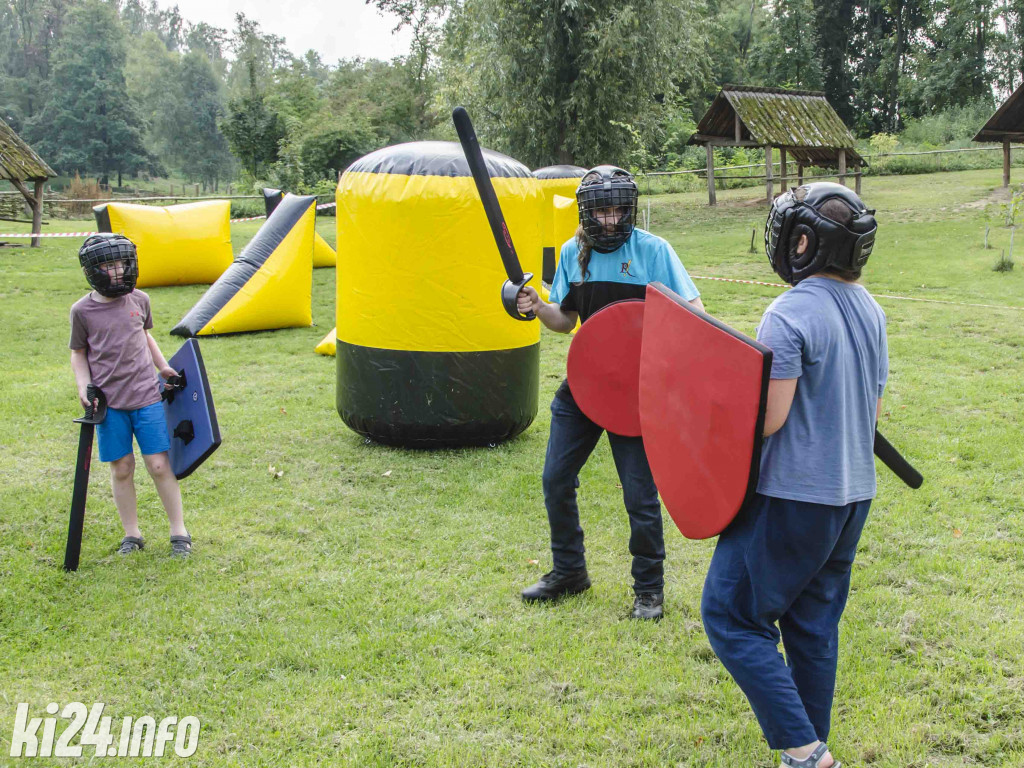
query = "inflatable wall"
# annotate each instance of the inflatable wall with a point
(426, 356)
(323, 254)
(561, 216)
(270, 285)
(177, 245)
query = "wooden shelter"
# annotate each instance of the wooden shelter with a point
(1005, 126)
(801, 124)
(19, 164)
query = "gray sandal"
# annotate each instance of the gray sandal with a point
(181, 546)
(130, 544)
(811, 761)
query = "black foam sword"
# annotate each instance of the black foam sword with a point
(502, 238)
(93, 415)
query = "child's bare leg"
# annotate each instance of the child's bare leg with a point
(159, 467)
(122, 482)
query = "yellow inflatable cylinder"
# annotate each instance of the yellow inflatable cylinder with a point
(558, 181)
(426, 355)
(176, 245)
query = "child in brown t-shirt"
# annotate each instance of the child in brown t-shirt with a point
(111, 347)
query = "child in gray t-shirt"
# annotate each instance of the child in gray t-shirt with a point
(112, 348)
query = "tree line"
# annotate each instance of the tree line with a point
(123, 87)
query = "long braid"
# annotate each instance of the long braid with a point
(585, 246)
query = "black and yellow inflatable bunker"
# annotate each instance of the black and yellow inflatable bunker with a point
(426, 356)
(269, 285)
(176, 244)
(323, 254)
(561, 216)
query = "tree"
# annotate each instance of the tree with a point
(555, 82)
(253, 132)
(200, 149)
(786, 52)
(89, 123)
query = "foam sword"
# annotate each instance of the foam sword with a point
(93, 415)
(475, 157)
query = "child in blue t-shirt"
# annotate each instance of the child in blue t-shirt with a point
(783, 565)
(609, 260)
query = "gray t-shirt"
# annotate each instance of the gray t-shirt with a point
(114, 336)
(831, 336)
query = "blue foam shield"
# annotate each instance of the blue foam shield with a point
(188, 407)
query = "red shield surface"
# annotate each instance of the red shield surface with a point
(702, 394)
(603, 367)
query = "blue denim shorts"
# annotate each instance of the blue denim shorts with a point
(147, 424)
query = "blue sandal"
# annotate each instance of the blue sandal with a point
(811, 761)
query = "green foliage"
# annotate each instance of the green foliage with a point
(253, 131)
(333, 146)
(955, 123)
(88, 122)
(545, 82)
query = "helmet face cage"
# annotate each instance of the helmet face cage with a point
(607, 199)
(110, 264)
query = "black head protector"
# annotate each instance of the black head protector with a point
(110, 264)
(829, 243)
(607, 189)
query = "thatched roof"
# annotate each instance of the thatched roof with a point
(1007, 122)
(18, 160)
(802, 122)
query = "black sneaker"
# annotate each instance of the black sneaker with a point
(648, 606)
(554, 586)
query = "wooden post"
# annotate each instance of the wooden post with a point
(1006, 163)
(739, 129)
(783, 181)
(860, 172)
(769, 183)
(711, 173)
(37, 211)
(799, 174)
(197, 190)
(842, 167)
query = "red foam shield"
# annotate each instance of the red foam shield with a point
(604, 367)
(702, 394)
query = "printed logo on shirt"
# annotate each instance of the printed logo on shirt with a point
(134, 313)
(625, 268)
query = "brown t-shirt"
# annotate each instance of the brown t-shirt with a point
(114, 336)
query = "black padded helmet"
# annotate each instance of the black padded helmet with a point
(607, 186)
(108, 248)
(829, 243)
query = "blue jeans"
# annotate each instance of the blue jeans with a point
(785, 562)
(572, 440)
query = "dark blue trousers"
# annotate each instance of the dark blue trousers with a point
(787, 563)
(572, 440)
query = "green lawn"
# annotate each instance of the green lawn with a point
(341, 616)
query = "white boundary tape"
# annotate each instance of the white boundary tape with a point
(876, 295)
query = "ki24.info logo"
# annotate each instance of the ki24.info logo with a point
(81, 727)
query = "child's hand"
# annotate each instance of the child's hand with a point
(167, 372)
(83, 398)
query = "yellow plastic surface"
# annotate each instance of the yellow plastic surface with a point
(323, 254)
(418, 268)
(280, 293)
(328, 344)
(179, 244)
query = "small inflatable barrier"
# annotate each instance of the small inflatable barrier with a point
(188, 408)
(323, 254)
(328, 344)
(426, 355)
(177, 244)
(270, 285)
(560, 214)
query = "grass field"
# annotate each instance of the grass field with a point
(363, 609)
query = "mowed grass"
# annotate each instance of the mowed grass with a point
(341, 615)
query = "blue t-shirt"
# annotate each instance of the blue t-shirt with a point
(831, 336)
(622, 274)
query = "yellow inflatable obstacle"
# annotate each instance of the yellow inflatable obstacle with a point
(270, 285)
(176, 245)
(323, 254)
(426, 355)
(561, 217)
(327, 344)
